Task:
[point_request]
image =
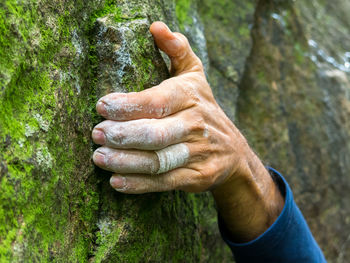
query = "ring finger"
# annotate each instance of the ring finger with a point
(142, 162)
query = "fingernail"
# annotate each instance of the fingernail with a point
(101, 108)
(99, 157)
(117, 182)
(98, 136)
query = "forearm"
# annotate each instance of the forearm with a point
(249, 201)
(288, 239)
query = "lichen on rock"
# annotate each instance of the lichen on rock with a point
(127, 55)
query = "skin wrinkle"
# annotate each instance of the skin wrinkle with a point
(161, 112)
(147, 134)
(172, 157)
(164, 110)
(118, 104)
(191, 90)
(128, 161)
(111, 139)
(206, 131)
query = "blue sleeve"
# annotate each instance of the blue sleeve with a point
(288, 239)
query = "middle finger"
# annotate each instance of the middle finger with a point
(143, 134)
(142, 162)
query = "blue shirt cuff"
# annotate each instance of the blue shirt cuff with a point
(288, 239)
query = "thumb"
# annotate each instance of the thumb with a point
(177, 47)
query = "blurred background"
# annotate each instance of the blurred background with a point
(281, 70)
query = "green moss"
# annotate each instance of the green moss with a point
(51, 200)
(144, 64)
(112, 9)
(34, 142)
(182, 9)
(41, 163)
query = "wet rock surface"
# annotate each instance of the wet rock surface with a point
(279, 69)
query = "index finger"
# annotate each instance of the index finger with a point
(160, 101)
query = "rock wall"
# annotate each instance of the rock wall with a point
(279, 69)
(294, 106)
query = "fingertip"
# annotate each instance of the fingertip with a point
(166, 40)
(99, 158)
(101, 108)
(118, 182)
(154, 26)
(160, 30)
(98, 136)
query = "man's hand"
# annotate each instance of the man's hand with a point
(175, 136)
(172, 136)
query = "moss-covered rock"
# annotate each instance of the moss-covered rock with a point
(57, 58)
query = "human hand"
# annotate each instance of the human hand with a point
(172, 136)
(175, 136)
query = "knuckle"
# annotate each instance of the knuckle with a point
(208, 174)
(133, 186)
(161, 135)
(200, 184)
(184, 44)
(198, 66)
(198, 123)
(118, 160)
(161, 106)
(181, 36)
(185, 50)
(116, 137)
(157, 136)
(190, 91)
(163, 111)
(172, 182)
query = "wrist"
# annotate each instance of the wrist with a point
(248, 201)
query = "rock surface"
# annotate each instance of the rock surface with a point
(279, 69)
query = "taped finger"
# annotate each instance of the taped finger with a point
(145, 162)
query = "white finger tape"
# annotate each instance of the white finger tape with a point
(172, 157)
